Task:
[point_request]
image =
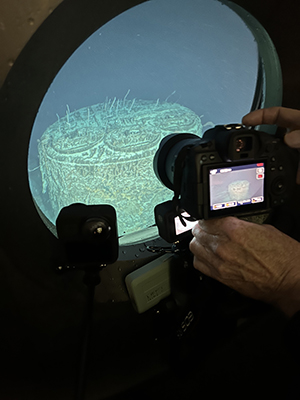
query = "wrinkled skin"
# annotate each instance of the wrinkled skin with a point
(256, 260)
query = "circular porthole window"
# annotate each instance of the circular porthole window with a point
(103, 153)
(161, 67)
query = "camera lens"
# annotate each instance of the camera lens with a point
(96, 229)
(165, 157)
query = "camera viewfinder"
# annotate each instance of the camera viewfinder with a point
(243, 143)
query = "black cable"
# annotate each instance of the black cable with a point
(91, 279)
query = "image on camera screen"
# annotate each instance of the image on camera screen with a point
(236, 186)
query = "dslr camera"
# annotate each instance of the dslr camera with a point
(231, 171)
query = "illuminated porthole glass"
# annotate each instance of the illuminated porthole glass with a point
(159, 68)
(102, 154)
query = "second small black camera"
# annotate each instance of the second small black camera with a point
(89, 234)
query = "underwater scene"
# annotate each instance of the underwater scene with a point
(162, 67)
(103, 154)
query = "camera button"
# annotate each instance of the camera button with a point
(212, 157)
(203, 158)
(273, 169)
(280, 167)
(278, 186)
(273, 159)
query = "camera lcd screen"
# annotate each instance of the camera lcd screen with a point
(236, 186)
(179, 228)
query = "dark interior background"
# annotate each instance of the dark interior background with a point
(280, 21)
(252, 361)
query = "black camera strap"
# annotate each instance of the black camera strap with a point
(178, 172)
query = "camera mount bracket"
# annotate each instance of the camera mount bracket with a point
(89, 238)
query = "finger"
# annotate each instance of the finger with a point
(204, 259)
(215, 252)
(204, 244)
(280, 116)
(202, 267)
(217, 227)
(292, 139)
(204, 249)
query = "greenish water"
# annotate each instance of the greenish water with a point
(103, 154)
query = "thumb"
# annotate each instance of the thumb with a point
(292, 139)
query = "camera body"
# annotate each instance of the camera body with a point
(230, 171)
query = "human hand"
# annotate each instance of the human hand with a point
(258, 261)
(280, 116)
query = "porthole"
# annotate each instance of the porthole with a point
(160, 67)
